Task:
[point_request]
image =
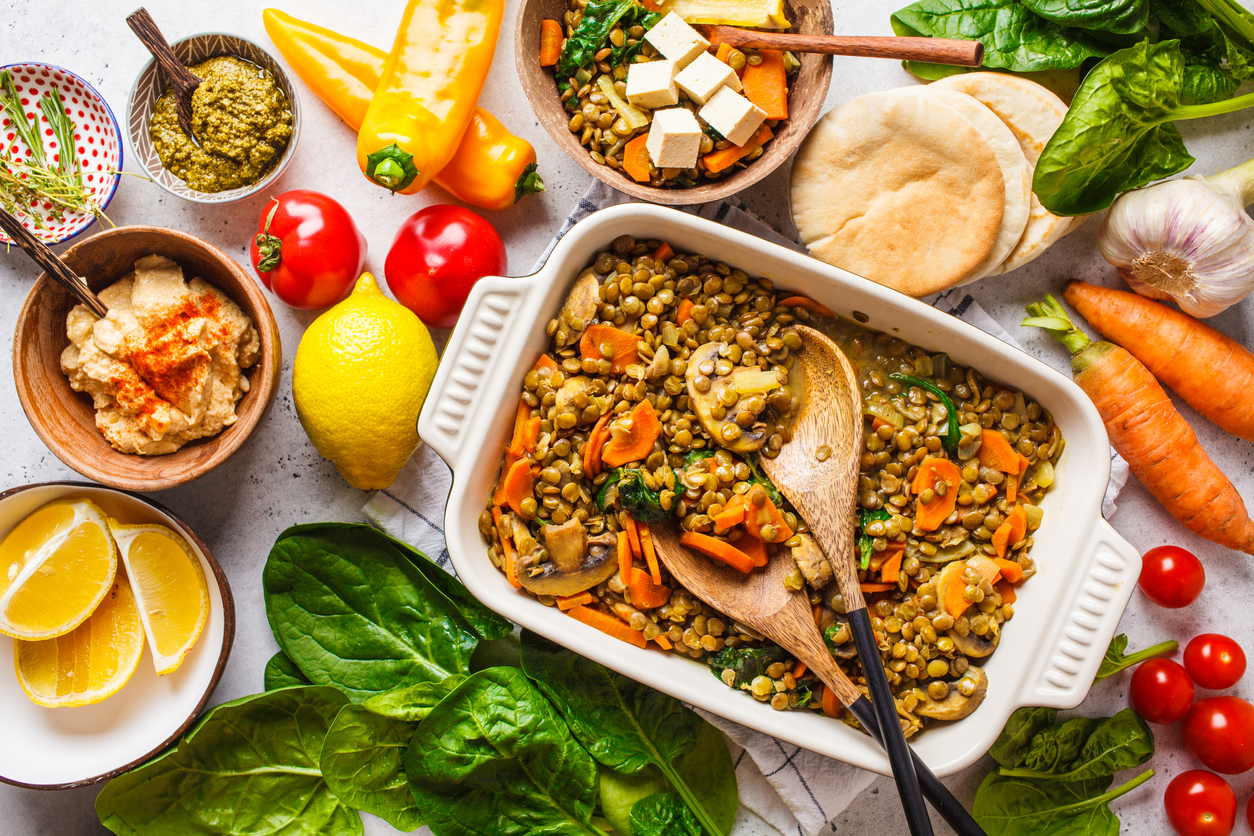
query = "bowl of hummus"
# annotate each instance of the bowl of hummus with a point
(170, 383)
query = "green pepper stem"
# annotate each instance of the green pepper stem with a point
(1237, 181)
(389, 174)
(528, 183)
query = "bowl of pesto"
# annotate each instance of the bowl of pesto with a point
(245, 118)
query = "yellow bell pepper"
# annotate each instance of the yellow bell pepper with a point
(492, 168)
(428, 91)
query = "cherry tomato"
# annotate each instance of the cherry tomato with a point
(1200, 803)
(1249, 812)
(307, 249)
(1161, 691)
(1214, 661)
(1171, 576)
(437, 256)
(1219, 731)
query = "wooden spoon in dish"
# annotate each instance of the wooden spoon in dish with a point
(181, 79)
(932, 50)
(53, 266)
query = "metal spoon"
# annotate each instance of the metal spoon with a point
(53, 266)
(181, 79)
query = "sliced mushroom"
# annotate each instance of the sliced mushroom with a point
(599, 561)
(569, 396)
(956, 705)
(660, 364)
(812, 562)
(977, 647)
(578, 309)
(567, 544)
(846, 649)
(726, 432)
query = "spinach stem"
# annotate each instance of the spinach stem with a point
(1199, 111)
(1131, 659)
(1106, 797)
(1232, 14)
(691, 800)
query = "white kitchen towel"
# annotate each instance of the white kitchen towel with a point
(792, 789)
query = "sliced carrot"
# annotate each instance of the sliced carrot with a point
(550, 42)
(1001, 538)
(636, 159)
(520, 422)
(545, 362)
(519, 484)
(831, 706)
(684, 312)
(766, 84)
(814, 307)
(799, 671)
(817, 612)
(650, 554)
(499, 497)
(509, 557)
(1018, 520)
(724, 51)
(608, 624)
(933, 471)
(625, 347)
(531, 434)
(733, 512)
(718, 549)
(717, 161)
(663, 252)
(662, 641)
(568, 601)
(645, 592)
(624, 557)
(757, 516)
(877, 422)
(891, 570)
(638, 441)
(1012, 486)
(755, 548)
(592, 448)
(633, 537)
(996, 452)
(877, 587)
(955, 603)
(1008, 594)
(1011, 571)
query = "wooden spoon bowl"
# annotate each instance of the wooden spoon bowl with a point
(66, 421)
(807, 91)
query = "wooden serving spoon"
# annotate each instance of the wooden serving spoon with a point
(53, 266)
(932, 50)
(181, 79)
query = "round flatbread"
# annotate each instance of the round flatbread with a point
(900, 189)
(1032, 113)
(1015, 171)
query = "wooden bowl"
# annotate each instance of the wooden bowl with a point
(66, 421)
(805, 100)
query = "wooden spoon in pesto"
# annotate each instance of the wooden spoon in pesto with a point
(181, 79)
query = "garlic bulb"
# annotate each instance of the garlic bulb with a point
(1189, 240)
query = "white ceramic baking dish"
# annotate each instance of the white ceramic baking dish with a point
(1066, 613)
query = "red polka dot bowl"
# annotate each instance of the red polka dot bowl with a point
(97, 135)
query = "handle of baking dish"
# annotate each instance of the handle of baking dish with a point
(490, 323)
(1108, 574)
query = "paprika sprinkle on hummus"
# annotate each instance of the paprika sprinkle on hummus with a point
(164, 367)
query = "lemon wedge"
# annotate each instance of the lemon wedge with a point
(89, 663)
(169, 587)
(56, 567)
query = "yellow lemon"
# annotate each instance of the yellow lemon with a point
(55, 568)
(91, 662)
(361, 374)
(170, 589)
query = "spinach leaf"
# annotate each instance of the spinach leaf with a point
(1023, 807)
(1116, 661)
(745, 662)
(1011, 745)
(1205, 80)
(757, 477)
(633, 495)
(497, 653)
(494, 759)
(663, 815)
(620, 792)
(1233, 33)
(281, 672)
(1055, 747)
(248, 767)
(866, 543)
(623, 724)
(591, 33)
(1112, 745)
(637, 15)
(353, 612)
(363, 764)
(415, 702)
(1118, 16)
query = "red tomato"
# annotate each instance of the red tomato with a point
(307, 249)
(1214, 661)
(1200, 803)
(1249, 812)
(1161, 691)
(437, 256)
(1171, 576)
(1219, 731)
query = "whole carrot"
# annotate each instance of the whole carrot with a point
(1212, 372)
(1159, 445)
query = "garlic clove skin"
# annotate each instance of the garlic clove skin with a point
(1186, 240)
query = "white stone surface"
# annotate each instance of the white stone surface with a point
(278, 479)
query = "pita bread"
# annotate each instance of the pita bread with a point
(1015, 171)
(898, 188)
(1032, 113)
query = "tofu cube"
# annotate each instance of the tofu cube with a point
(652, 84)
(676, 40)
(674, 138)
(704, 76)
(733, 116)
